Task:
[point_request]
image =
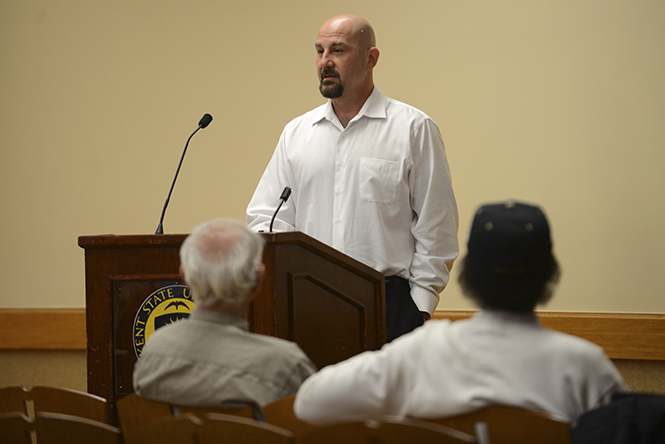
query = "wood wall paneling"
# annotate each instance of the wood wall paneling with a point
(42, 329)
(623, 336)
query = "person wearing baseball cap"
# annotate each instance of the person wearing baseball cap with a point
(501, 355)
(509, 263)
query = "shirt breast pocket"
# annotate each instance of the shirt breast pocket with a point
(379, 180)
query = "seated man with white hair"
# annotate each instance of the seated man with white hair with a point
(210, 357)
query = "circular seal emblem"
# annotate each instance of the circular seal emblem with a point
(165, 306)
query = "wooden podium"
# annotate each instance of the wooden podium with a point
(326, 302)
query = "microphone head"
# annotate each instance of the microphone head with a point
(285, 194)
(205, 120)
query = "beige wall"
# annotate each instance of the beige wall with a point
(56, 368)
(559, 103)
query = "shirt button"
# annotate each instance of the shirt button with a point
(338, 220)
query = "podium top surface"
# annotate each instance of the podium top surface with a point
(137, 240)
(114, 241)
(124, 240)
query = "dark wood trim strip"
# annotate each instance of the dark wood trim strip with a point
(622, 335)
(42, 329)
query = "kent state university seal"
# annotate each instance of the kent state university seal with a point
(165, 306)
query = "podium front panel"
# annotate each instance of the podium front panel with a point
(129, 326)
(329, 304)
(112, 261)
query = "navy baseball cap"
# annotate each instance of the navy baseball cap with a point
(509, 238)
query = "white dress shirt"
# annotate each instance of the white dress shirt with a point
(446, 368)
(378, 190)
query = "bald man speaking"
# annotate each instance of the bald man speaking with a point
(369, 176)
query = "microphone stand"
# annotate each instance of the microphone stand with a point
(283, 198)
(205, 121)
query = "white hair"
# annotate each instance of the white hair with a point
(220, 261)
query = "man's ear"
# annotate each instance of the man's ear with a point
(372, 57)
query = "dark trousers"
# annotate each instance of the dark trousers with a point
(402, 314)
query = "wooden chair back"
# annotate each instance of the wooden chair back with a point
(213, 428)
(166, 430)
(15, 427)
(136, 411)
(238, 430)
(54, 400)
(57, 428)
(387, 431)
(70, 402)
(504, 424)
(13, 399)
(280, 413)
(235, 409)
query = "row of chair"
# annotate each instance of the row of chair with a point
(31, 412)
(143, 419)
(54, 400)
(220, 428)
(56, 428)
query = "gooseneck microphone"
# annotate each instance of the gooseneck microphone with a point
(283, 198)
(204, 122)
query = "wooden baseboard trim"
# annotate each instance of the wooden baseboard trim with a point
(623, 336)
(42, 329)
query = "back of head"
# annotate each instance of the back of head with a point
(509, 264)
(220, 261)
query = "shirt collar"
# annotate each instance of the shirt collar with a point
(198, 314)
(508, 317)
(374, 107)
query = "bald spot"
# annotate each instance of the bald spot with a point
(218, 241)
(355, 26)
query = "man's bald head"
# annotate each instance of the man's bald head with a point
(354, 27)
(346, 57)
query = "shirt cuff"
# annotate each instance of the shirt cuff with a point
(425, 300)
